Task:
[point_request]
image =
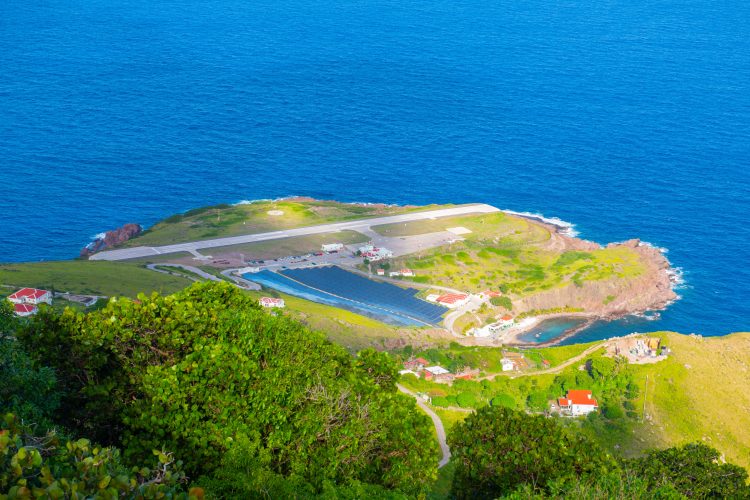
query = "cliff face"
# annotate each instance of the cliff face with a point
(112, 239)
(652, 290)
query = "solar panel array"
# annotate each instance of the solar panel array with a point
(352, 286)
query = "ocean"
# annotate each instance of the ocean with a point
(626, 118)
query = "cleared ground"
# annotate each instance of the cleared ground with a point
(90, 278)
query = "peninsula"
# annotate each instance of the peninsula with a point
(467, 273)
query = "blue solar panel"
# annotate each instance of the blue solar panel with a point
(336, 281)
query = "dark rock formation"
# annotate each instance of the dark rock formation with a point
(112, 239)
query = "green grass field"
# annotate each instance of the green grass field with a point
(353, 331)
(508, 253)
(90, 277)
(231, 220)
(700, 393)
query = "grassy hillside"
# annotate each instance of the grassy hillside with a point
(509, 253)
(231, 220)
(701, 393)
(90, 277)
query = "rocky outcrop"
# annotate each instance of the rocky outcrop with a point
(112, 239)
(651, 290)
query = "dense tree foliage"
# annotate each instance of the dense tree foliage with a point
(695, 470)
(497, 450)
(615, 485)
(49, 467)
(25, 389)
(206, 371)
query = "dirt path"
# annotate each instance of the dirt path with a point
(439, 429)
(554, 369)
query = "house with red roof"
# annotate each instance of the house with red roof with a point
(488, 294)
(25, 309)
(453, 300)
(271, 302)
(578, 402)
(31, 296)
(416, 365)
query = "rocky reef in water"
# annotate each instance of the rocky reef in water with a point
(112, 239)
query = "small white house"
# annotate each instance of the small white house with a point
(381, 272)
(507, 364)
(272, 302)
(407, 273)
(31, 296)
(332, 247)
(578, 402)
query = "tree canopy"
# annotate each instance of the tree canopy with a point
(497, 450)
(206, 371)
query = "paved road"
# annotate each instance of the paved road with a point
(139, 252)
(555, 369)
(203, 274)
(439, 429)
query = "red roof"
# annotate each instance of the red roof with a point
(581, 397)
(491, 293)
(563, 402)
(24, 308)
(422, 361)
(451, 298)
(28, 293)
(507, 317)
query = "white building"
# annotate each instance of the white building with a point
(375, 254)
(408, 273)
(332, 247)
(578, 402)
(271, 302)
(251, 269)
(507, 364)
(31, 296)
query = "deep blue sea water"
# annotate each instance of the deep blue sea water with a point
(629, 118)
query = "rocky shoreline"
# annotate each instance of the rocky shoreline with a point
(651, 291)
(111, 239)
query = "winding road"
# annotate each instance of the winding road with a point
(439, 429)
(554, 369)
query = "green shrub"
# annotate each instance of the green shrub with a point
(466, 400)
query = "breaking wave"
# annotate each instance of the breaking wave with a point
(566, 228)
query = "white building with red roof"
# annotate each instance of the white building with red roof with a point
(578, 402)
(453, 300)
(31, 296)
(25, 309)
(271, 302)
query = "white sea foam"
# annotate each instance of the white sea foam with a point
(566, 228)
(99, 236)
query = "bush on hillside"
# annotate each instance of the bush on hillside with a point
(496, 450)
(205, 368)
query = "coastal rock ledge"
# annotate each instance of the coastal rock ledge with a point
(112, 239)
